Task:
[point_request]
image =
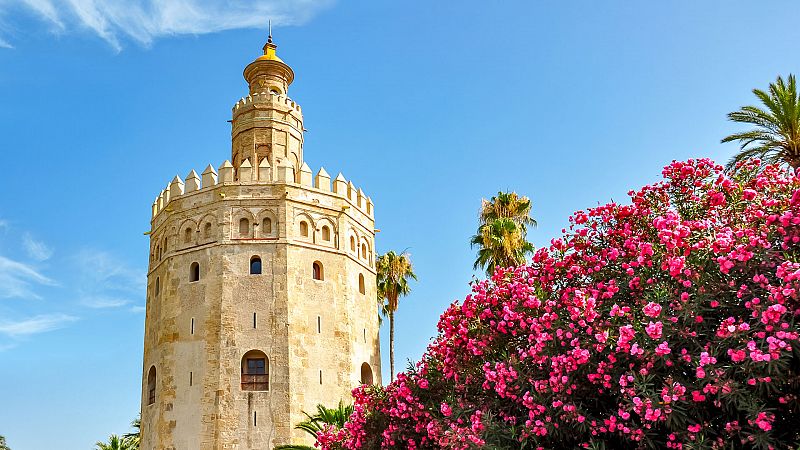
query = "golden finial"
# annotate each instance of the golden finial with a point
(269, 48)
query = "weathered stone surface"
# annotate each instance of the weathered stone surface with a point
(197, 332)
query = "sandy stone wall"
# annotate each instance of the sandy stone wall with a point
(304, 326)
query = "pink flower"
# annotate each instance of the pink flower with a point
(654, 329)
(652, 309)
(446, 410)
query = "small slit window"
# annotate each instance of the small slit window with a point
(304, 229)
(326, 233)
(187, 235)
(255, 371)
(151, 385)
(319, 324)
(194, 272)
(158, 286)
(244, 227)
(361, 285)
(255, 265)
(266, 226)
(318, 273)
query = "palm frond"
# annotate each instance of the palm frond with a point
(776, 138)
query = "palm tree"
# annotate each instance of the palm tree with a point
(502, 231)
(313, 424)
(500, 243)
(775, 138)
(3, 445)
(135, 437)
(394, 273)
(508, 205)
(115, 443)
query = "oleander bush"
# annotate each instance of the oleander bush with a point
(669, 322)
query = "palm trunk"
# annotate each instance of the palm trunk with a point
(391, 345)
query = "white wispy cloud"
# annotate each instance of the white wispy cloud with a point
(36, 249)
(35, 325)
(101, 302)
(106, 281)
(17, 279)
(144, 21)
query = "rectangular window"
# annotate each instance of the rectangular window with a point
(255, 419)
(192, 327)
(365, 335)
(256, 366)
(190, 378)
(254, 320)
(320, 377)
(319, 324)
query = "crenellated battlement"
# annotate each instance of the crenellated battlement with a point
(266, 97)
(261, 286)
(264, 174)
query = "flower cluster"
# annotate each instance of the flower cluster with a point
(669, 322)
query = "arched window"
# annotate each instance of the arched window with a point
(151, 385)
(255, 265)
(207, 230)
(304, 228)
(366, 374)
(352, 244)
(361, 287)
(266, 226)
(318, 273)
(187, 235)
(255, 371)
(158, 286)
(326, 233)
(244, 227)
(194, 272)
(364, 251)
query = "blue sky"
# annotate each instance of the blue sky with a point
(429, 106)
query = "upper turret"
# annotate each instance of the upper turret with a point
(267, 125)
(268, 73)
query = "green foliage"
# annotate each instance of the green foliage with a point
(3, 445)
(135, 437)
(501, 243)
(315, 423)
(394, 274)
(502, 232)
(116, 443)
(775, 138)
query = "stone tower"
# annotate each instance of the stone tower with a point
(261, 290)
